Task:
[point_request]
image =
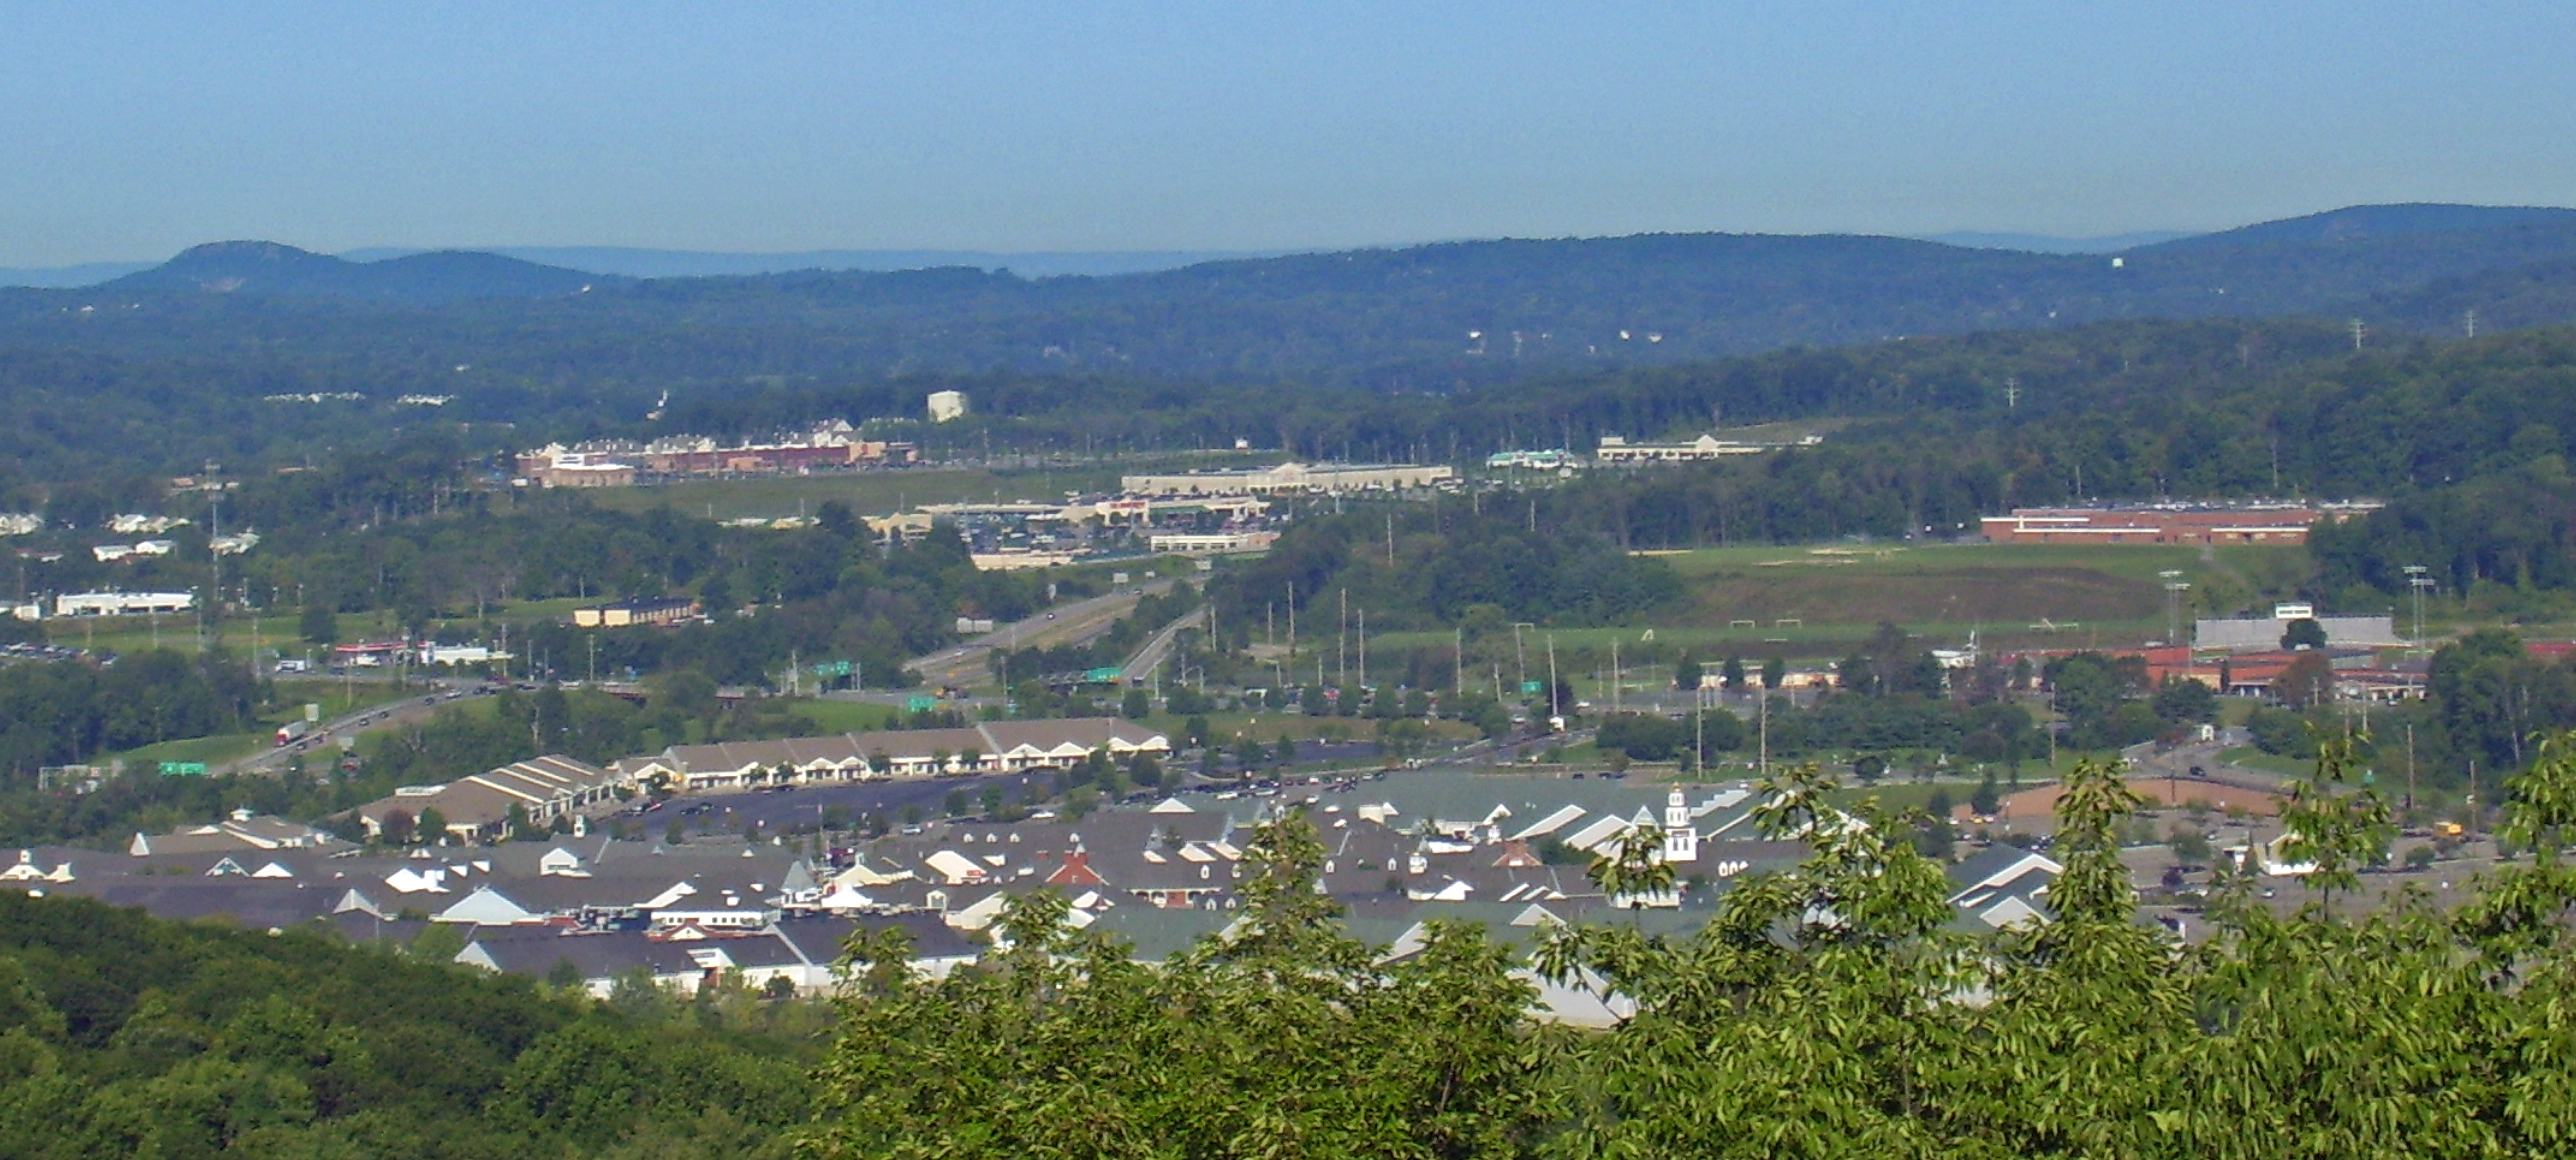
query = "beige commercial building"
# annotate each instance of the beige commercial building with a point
(1291, 479)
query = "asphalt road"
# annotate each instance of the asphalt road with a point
(966, 664)
(1160, 647)
(323, 743)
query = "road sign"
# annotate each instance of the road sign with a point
(920, 704)
(1532, 687)
(1103, 676)
(183, 769)
(832, 669)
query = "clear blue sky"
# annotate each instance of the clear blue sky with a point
(128, 131)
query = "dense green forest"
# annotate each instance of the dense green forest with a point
(122, 1035)
(1369, 351)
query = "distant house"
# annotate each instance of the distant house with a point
(242, 831)
(801, 951)
(2001, 888)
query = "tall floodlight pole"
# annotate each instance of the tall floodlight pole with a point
(2173, 603)
(2418, 580)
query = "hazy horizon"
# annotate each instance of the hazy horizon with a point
(133, 131)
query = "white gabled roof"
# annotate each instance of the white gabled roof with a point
(1563, 817)
(2010, 912)
(485, 907)
(955, 867)
(1601, 830)
(1171, 805)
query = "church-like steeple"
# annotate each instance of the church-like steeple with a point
(1681, 839)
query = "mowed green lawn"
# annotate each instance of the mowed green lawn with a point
(204, 750)
(1818, 599)
(2006, 587)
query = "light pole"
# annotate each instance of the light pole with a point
(1519, 654)
(2174, 588)
(2417, 580)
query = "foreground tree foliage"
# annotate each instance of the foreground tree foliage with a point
(1281, 1038)
(121, 1035)
(1830, 1011)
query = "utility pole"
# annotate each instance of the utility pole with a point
(2012, 392)
(1458, 660)
(1520, 655)
(2359, 332)
(1615, 676)
(1699, 733)
(1342, 642)
(1364, 648)
(2410, 766)
(1554, 708)
(1762, 756)
(2472, 320)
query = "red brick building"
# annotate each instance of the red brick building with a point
(2285, 524)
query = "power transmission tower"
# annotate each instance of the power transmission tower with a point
(2359, 332)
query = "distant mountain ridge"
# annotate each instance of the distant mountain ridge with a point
(2361, 223)
(635, 262)
(2052, 244)
(268, 268)
(1430, 317)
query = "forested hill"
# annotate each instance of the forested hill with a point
(266, 268)
(1428, 317)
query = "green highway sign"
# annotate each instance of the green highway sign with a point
(183, 768)
(1105, 675)
(832, 669)
(1533, 686)
(920, 704)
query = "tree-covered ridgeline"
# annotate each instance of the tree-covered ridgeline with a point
(1930, 434)
(1826, 1011)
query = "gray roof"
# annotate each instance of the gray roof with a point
(599, 955)
(1155, 934)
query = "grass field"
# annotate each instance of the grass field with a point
(1818, 601)
(846, 716)
(337, 698)
(2008, 586)
(209, 750)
